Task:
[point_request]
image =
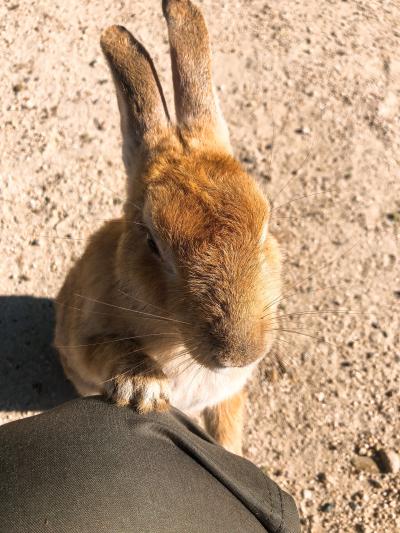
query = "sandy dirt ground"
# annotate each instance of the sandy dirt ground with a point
(311, 92)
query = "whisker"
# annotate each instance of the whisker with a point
(303, 334)
(285, 360)
(130, 369)
(184, 366)
(141, 363)
(195, 374)
(83, 310)
(157, 317)
(127, 220)
(323, 312)
(133, 368)
(101, 313)
(97, 182)
(271, 159)
(299, 217)
(119, 340)
(327, 265)
(274, 208)
(295, 172)
(65, 237)
(140, 301)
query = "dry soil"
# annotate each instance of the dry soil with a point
(311, 92)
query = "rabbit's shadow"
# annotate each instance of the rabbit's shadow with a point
(31, 377)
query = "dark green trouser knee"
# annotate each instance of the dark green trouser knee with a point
(91, 467)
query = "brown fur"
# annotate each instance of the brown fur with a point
(215, 287)
(224, 422)
(196, 105)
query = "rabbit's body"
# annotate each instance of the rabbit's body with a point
(95, 309)
(176, 301)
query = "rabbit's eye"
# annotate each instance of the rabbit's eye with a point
(152, 245)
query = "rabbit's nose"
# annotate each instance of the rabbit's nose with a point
(235, 349)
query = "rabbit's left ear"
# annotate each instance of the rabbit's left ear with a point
(196, 103)
(144, 116)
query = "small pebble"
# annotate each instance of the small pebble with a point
(307, 494)
(375, 483)
(365, 464)
(327, 507)
(388, 461)
(362, 450)
(320, 396)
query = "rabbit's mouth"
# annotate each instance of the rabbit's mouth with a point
(217, 358)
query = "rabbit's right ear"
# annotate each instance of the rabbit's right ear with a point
(196, 102)
(144, 115)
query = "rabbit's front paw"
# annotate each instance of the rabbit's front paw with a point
(143, 393)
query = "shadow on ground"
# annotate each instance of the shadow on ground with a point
(31, 377)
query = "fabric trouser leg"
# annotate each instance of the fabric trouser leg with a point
(88, 466)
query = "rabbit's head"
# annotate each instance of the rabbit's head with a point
(196, 239)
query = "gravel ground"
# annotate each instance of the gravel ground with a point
(311, 93)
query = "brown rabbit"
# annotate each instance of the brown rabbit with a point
(176, 301)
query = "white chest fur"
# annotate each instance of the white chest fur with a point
(196, 387)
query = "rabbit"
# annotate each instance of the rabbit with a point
(175, 303)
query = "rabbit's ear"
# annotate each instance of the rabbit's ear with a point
(196, 103)
(144, 115)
